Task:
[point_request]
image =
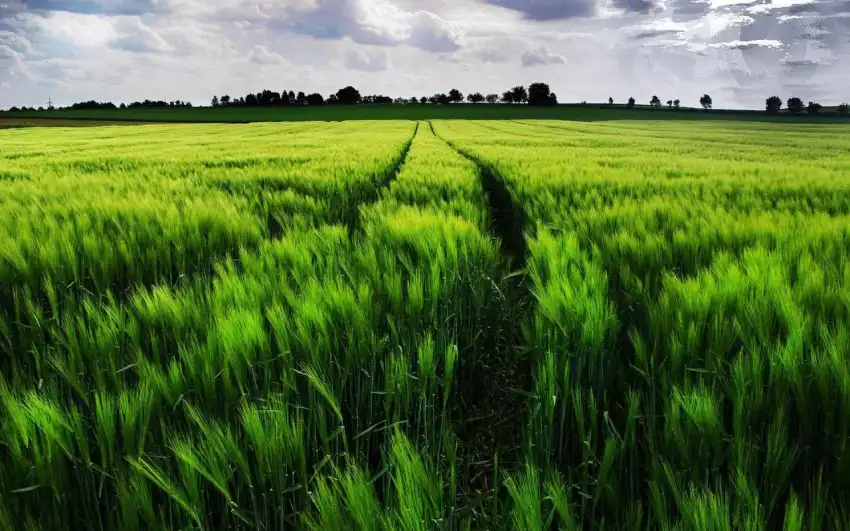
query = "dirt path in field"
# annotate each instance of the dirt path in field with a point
(495, 408)
(65, 122)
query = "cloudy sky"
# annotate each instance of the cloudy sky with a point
(739, 51)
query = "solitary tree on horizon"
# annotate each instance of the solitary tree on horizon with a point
(795, 105)
(540, 94)
(773, 104)
(705, 101)
(610, 101)
(676, 103)
(655, 102)
(631, 103)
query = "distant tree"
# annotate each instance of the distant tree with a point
(553, 99)
(676, 103)
(610, 101)
(40, 108)
(122, 106)
(455, 96)
(539, 94)
(655, 102)
(423, 100)
(631, 103)
(251, 100)
(301, 99)
(414, 100)
(475, 97)
(670, 103)
(814, 107)
(348, 96)
(214, 101)
(773, 104)
(492, 98)
(332, 99)
(795, 105)
(844, 108)
(291, 97)
(241, 101)
(705, 101)
(315, 99)
(519, 94)
(225, 100)
(13, 109)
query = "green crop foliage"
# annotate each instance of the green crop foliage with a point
(436, 325)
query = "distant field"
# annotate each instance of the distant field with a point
(420, 112)
(447, 324)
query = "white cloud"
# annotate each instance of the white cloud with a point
(542, 56)
(372, 61)
(262, 56)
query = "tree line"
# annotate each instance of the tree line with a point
(535, 94)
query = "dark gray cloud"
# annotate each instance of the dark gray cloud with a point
(548, 9)
(655, 33)
(688, 10)
(636, 6)
(336, 19)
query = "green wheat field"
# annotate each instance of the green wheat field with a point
(447, 325)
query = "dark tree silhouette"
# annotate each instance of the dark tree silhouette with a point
(455, 96)
(301, 99)
(844, 108)
(669, 103)
(814, 107)
(214, 101)
(492, 98)
(539, 94)
(676, 103)
(519, 94)
(476, 97)
(332, 99)
(631, 103)
(423, 100)
(705, 101)
(315, 99)
(610, 101)
(348, 96)
(225, 100)
(251, 100)
(291, 97)
(795, 105)
(655, 102)
(773, 104)
(507, 97)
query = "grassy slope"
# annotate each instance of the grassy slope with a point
(417, 112)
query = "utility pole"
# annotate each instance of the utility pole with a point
(49, 104)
